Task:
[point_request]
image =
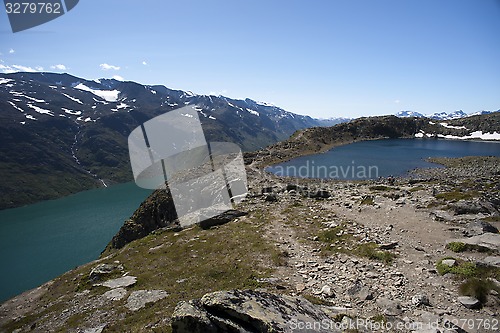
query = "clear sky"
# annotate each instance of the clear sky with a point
(322, 58)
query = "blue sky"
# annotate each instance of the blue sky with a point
(321, 58)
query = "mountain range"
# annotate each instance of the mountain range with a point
(60, 134)
(442, 115)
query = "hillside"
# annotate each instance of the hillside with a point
(60, 134)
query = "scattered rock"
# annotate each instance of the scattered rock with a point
(320, 194)
(467, 207)
(221, 218)
(420, 299)
(245, 311)
(388, 246)
(138, 299)
(492, 261)
(327, 291)
(488, 240)
(266, 190)
(115, 294)
(300, 287)
(469, 302)
(449, 262)
(97, 329)
(389, 307)
(271, 197)
(478, 228)
(364, 294)
(122, 282)
(294, 187)
(98, 272)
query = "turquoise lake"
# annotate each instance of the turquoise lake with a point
(380, 158)
(41, 241)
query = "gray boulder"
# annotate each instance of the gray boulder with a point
(478, 228)
(138, 299)
(389, 307)
(467, 207)
(100, 271)
(247, 311)
(122, 282)
(221, 218)
(469, 302)
(488, 240)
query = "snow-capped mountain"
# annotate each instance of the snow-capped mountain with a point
(407, 114)
(441, 115)
(61, 134)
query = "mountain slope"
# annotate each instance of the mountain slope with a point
(61, 134)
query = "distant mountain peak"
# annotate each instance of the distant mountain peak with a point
(441, 115)
(407, 114)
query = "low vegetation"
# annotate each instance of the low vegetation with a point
(454, 196)
(475, 280)
(462, 247)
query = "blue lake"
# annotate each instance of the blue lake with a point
(41, 241)
(380, 158)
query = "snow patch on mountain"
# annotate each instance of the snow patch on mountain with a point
(473, 135)
(74, 113)
(40, 110)
(107, 95)
(253, 112)
(15, 106)
(122, 106)
(3, 80)
(453, 127)
(74, 99)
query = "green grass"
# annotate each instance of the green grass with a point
(382, 188)
(474, 278)
(454, 196)
(367, 200)
(372, 251)
(465, 269)
(316, 300)
(462, 268)
(417, 188)
(380, 318)
(458, 247)
(491, 219)
(478, 288)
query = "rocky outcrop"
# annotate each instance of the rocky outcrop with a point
(246, 311)
(157, 211)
